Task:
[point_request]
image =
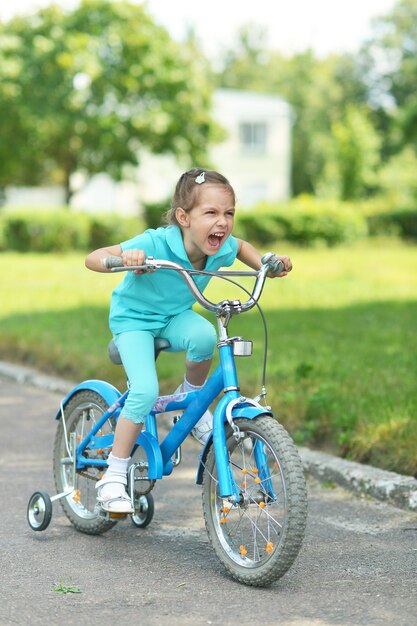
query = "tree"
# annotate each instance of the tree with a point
(353, 157)
(398, 181)
(317, 89)
(87, 90)
(246, 65)
(389, 59)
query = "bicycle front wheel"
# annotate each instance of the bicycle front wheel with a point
(258, 538)
(82, 413)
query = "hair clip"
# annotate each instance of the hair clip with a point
(201, 178)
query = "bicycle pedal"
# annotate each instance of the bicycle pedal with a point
(108, 515)
(117, 515)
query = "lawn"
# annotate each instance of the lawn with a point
(342, 356)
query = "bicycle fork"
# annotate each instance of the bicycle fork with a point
(227, 484)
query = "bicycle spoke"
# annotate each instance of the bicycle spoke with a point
(82, 415)
(248, 535)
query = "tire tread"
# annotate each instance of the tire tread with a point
(293, 532)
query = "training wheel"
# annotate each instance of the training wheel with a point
(144, 510)
(39, 511)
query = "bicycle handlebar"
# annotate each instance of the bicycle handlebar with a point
(269, 263)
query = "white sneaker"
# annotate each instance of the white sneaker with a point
(204, 426)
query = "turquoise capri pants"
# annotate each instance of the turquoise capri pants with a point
(187, 332)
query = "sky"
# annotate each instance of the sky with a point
(324, 25)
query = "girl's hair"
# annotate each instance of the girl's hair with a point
(188, 189)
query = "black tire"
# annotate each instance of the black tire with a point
(39, 511)
(144, 510)
(258, 539)
(81, 413)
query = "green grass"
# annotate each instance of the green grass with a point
(342, 341)
(63, 588)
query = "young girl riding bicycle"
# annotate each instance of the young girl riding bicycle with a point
(146, 306)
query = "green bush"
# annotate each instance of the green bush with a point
(398, 222)
(258, 226)
(2, 236)
(153, 213)
(407, 223)
(305, 221)
(63, 230)
(45, 230)
(106, 230)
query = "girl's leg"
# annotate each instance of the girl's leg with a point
(197, 371)
(125, 436)
(137, 353)
(136, 349)
(190, 332)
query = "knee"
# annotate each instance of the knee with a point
(139, 402)
(201, 342)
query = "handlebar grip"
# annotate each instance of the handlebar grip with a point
(112, 261)
(276, 266)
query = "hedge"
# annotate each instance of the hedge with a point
(63, 230)
(304, 220)
(154, 213)
(399, 222)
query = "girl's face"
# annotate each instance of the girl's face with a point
(208, 224)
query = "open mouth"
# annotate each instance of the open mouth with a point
(215, 240)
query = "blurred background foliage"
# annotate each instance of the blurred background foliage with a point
(355, 114)
(82, 90)
(305, 221)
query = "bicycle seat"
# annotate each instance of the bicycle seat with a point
(159, 344)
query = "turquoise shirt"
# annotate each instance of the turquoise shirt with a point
(148, 301)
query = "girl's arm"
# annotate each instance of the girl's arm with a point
(250, 256)
(93, 260)
(130, 257)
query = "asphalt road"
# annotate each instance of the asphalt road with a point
(358, 564)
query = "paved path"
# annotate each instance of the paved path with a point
(358, 564)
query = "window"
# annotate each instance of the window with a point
(253, 137)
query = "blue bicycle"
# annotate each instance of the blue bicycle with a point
(253, 487)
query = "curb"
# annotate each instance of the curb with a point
(365, 480)
(28, 376)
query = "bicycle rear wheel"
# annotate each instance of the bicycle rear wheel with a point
(257, 539)
(81, 414)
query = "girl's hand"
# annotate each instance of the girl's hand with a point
(134, 257)
(287, 266)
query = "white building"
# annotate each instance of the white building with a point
(255, 157)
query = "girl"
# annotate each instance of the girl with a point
(143, 307)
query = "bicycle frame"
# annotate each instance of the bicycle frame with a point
(193, 405)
